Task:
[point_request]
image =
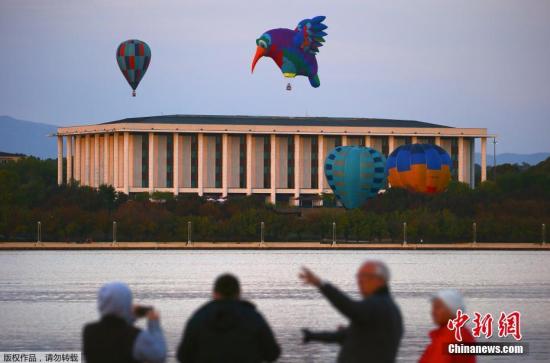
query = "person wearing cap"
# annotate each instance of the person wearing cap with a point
(445, 304)
(114, 338)
(375, 324)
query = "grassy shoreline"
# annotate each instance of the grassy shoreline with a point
(495, 246)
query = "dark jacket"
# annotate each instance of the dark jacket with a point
(109, 340)
(114, 338)
(375, 328)
(228, 331)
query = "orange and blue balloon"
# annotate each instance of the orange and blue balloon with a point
(355, 174)
(421, 168)
(133, 58)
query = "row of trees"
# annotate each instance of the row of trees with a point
(510, 209)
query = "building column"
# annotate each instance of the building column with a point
(69, 159)
(96, 161)
(297, 169)
(87, 160)
(176, 166)
(368, 141)
(115, 160)
(77, 172)
(438, 141)
(321, 163)
(461, 159)
(151, 162)
(273, 181)
(483, 159)
(472, 163)
(344, 140)
(225, 164)
(391, 144)
(126, 158)
(248, 164)
(414, 139)
(106, 159)
(59, 160)
(200, 160)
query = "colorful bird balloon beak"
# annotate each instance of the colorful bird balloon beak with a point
(260, 52)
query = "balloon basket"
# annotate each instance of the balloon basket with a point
(289, 87)
(133, 93)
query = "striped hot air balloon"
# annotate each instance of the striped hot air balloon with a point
(422, 168)
(355, 174)
(133, 57)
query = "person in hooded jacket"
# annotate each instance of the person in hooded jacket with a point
(114, 338)
(445, 304)
(227, 329)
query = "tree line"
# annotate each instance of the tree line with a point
(510, 209)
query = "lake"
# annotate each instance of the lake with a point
(47, 296)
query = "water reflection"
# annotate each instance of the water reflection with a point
(46, 296)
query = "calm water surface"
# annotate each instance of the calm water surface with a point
(47, 296)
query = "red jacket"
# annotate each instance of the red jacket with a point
(436, 351)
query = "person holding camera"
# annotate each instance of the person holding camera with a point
(114, 338)
(376, 326)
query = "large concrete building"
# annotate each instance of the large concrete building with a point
(8, 157)
(279, 157)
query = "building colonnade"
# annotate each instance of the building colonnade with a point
(229, 163)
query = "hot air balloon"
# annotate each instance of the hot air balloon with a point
(355, 174)
(294, 50)
(422, 168)
(133, 57)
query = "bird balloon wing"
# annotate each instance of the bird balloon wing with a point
(310, 34)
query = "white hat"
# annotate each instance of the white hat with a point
(451, 298)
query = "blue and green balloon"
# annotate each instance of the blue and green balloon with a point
(355, 174)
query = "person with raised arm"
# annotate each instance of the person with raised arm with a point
(375, 325)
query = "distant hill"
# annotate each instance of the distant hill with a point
(509, 158)
(26, 137)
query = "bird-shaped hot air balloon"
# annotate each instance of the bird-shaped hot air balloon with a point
(355, 174)
(294, 50)
(421, 168)
(133, 57)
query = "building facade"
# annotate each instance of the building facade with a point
(8, 157)
(279, 157)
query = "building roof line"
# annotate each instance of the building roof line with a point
(7, 154)
(282, 132)
(274, 120)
